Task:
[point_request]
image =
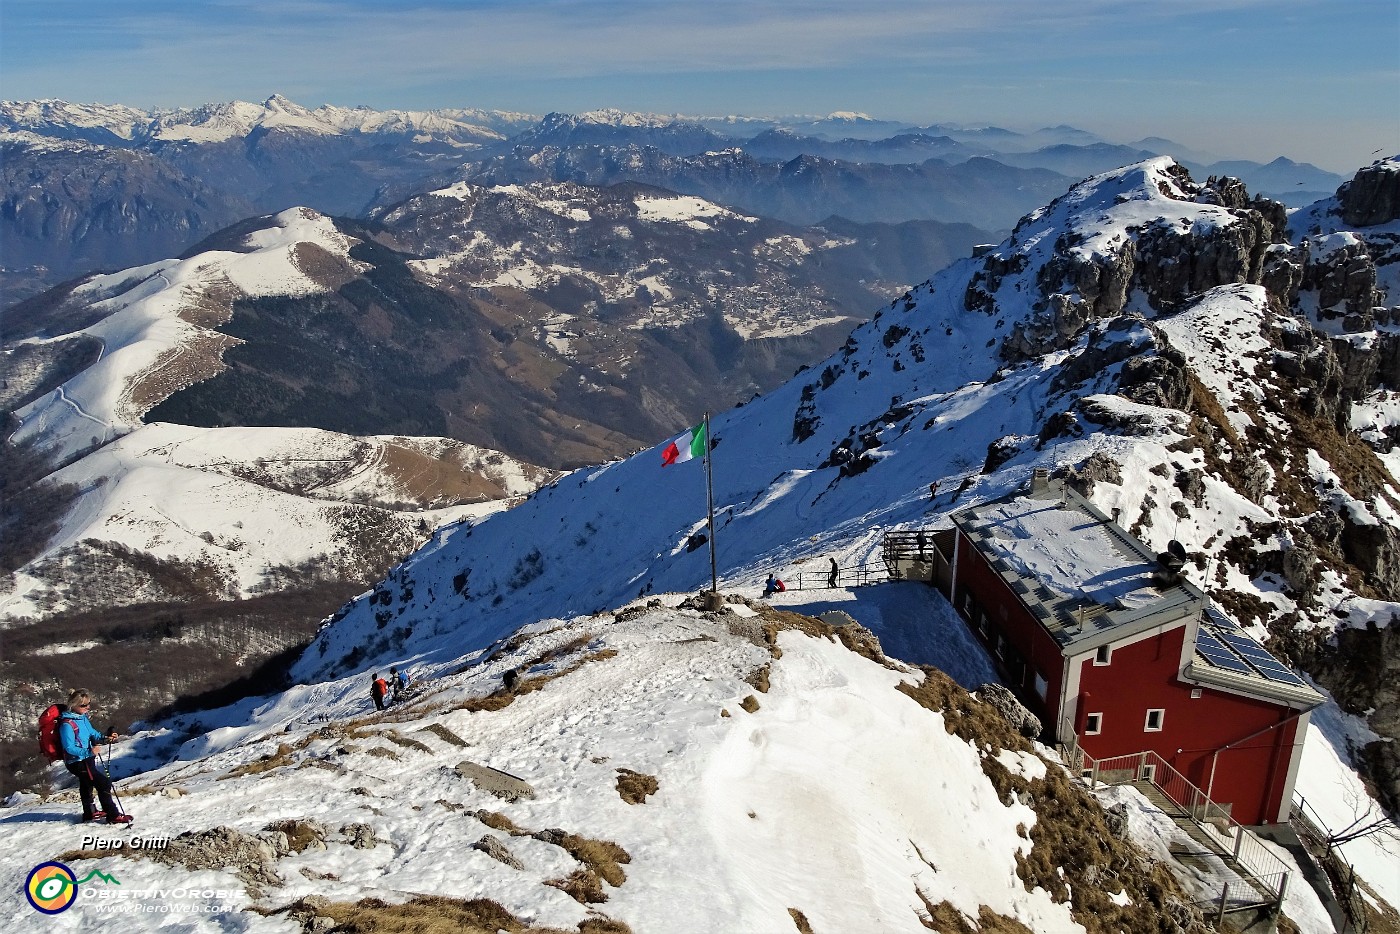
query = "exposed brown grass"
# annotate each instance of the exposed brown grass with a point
(750, 704)
(1381, 917)
(496, 700)
(212, 305)
(382, 752)
(434, 914)
(855, 638)
(1074, 856)
(576, 644)
(602, 860)
(758, 678)
(498, 821)
(322, 266)
(198, 357)
(963, 715)
(273, 760)
(503, 698)
(583, 886)
(601, 856)
(798, 918)
(435, 480)
(634, 787)
(946, 919)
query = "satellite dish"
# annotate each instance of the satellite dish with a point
(1176, 549)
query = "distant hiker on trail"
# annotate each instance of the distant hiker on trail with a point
(78, 737)
(772, 586)
(378, 690)
(398, 680)
(831, 576)
(933, 490)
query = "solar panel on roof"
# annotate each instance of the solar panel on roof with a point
(1214, 651)
(1247, 647)
(1218, 619)
(1281, 674)
(1226, 646)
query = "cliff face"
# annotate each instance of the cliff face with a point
(70, 209)
(1372, 197)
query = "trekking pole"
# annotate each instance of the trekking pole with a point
(107, 770)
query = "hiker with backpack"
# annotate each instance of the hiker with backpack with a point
(379, 690)
(772, 586)
(398, 681)
(73, 738)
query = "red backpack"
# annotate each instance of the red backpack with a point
(48, 731)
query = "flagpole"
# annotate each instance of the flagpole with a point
(710, 503)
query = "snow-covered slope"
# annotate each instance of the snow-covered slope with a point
(746, 771)
(917, 395)
(246, 505)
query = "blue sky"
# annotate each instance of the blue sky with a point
(1317, 80)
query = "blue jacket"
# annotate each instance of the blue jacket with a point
(77, 735)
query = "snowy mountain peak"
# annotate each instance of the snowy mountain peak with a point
(51, 113)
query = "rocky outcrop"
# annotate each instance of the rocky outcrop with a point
(1361, 668)
(1372, 196)
(1172, 265)
(1339, 268)
(493, 781)
(252, 860)
(1375, 549)
(1012, 710)
(1167, 262)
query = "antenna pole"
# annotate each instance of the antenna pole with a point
(710, 504)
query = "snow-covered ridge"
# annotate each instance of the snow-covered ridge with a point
(219, 122)
(151, 324)
(241, 502)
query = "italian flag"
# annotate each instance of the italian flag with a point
(681, 449)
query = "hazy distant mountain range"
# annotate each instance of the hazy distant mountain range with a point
(101, 187)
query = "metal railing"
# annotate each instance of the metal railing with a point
(856, 575)
(1251, 858)
(1317, 839)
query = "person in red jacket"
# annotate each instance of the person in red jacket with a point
(379, 690)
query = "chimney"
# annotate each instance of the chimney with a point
(1040, 480)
